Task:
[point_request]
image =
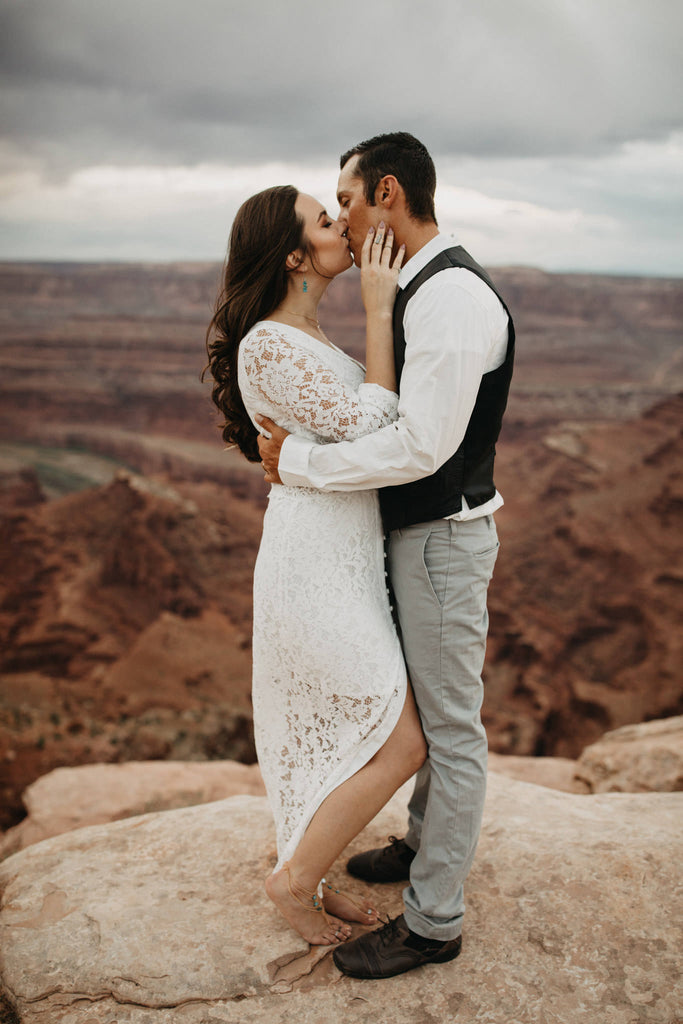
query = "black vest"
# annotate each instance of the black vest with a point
(469, 471)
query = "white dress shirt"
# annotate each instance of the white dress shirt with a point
(456, 330)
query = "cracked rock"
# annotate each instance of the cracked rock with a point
(162, 919)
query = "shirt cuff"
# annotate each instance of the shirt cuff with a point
(293, 464)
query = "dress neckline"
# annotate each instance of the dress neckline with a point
(316, 341)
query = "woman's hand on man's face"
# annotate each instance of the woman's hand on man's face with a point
(379, 276)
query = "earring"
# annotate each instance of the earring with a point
(305, 285)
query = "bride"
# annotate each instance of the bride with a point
(337, 731)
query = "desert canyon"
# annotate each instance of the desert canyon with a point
(127, 540)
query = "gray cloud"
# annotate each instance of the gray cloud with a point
(173, 80)
(570, 106)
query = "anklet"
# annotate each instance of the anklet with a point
(346, 897)
(312, 897)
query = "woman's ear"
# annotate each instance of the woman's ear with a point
(295, 260)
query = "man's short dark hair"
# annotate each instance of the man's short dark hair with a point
(402, 155)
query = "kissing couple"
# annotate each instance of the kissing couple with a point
(378, 544)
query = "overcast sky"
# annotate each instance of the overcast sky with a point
(133, 129)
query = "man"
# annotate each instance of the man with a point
(454, 344)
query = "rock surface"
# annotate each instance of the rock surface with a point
(162, 919)
(551, 772)
(69, 798)
(641, 758)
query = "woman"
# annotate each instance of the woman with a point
(336, 727)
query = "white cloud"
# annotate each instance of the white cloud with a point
(612, 213)
(617, 212)
(468, 208)
(511, 231)
(153, 212)
(134, 191)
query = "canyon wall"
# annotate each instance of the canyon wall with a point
(128, 533)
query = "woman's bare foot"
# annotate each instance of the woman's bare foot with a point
(347, 907)
(315, 926)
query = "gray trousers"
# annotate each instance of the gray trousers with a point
(440, 572)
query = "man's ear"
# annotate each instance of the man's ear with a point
(387, 191)
(295, 260)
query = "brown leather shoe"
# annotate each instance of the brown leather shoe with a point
(387, 864)
(388, 951)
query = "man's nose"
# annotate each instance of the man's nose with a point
(342, 218)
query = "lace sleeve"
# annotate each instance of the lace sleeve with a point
(292, 381)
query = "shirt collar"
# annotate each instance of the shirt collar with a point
(423, 256)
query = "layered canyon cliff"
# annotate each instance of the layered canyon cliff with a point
(128, 533)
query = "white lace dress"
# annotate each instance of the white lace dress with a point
(329, 680)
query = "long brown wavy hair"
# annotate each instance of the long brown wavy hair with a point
(264, 232)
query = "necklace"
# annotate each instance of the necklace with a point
(310, 319)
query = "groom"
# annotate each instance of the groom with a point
(454, 345)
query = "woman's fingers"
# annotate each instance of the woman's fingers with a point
(373, 246)
(367, 247)
(386, 248)
(396, 265)
(383, 244)
(378, 248)
(378, 243)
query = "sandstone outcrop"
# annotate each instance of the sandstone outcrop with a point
(70, 798)
(585, 605)
(125, 620)
(551, 772)
(642, 758)
(587, 597)
(572, 917)
(19, 485)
